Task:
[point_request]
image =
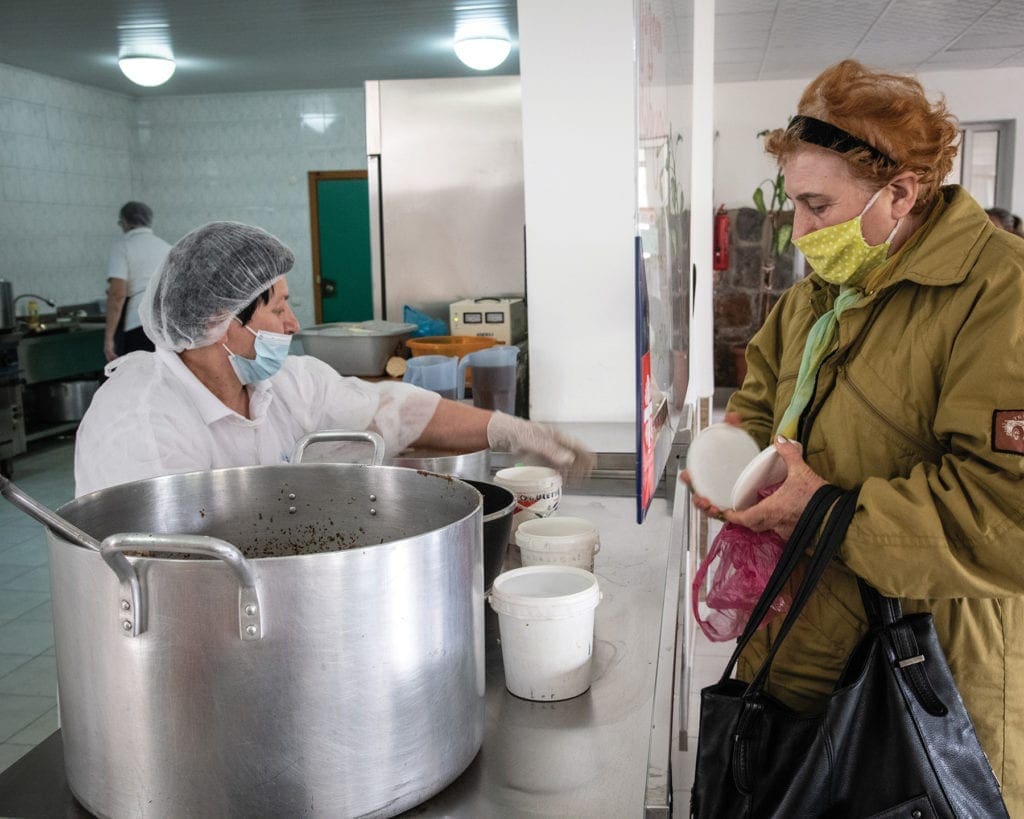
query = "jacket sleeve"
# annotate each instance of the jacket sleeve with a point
(955, 527)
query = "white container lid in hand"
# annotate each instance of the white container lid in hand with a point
(727, 468)
(766, 469)
(716, 458)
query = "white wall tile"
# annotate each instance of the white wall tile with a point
(70, 155)
(65, 168)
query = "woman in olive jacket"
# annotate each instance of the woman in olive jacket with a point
(911, 336)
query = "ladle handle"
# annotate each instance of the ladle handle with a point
(132, 613)
(331, 435)
(35, 509)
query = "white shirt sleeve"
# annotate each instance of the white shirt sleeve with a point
(117, 268)
(322, 399)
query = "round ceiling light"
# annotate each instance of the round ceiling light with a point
(147, 71)
(483, 53)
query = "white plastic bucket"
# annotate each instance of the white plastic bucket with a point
(546, 620)
(565, 541)
(538, 489)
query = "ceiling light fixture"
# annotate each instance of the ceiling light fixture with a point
(147, 71)
(483, 53)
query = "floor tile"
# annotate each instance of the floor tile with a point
(25, 637)
(37, 731)
(9, 662)
(43, 613)
(9, 573)
(33, 552)
(20, 530)
(37, 677)
(18, 712)
(37, 579)
(13, 604)
(11, 753)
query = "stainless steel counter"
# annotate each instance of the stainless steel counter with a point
(592, 755)
(602, 754)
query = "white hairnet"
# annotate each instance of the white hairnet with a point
(209, 276)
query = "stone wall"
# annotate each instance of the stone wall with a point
(742, 298)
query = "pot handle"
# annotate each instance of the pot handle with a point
(131, 607)
(328, 435)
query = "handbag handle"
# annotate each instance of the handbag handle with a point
(828, 544)
(799, 541)
(882, 612)
(886, 613)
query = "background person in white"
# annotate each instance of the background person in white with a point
(134, 259)
(222, 391)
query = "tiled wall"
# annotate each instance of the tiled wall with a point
(65, 169)
(245, 157)
(71, 155)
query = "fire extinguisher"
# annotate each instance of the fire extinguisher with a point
(721, 245)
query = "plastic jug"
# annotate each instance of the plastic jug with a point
(434, 372)
(494, 377)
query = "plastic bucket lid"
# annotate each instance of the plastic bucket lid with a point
(528, 478)
(557, 533)
(548, 592)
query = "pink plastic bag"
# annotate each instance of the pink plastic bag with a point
(745, 561)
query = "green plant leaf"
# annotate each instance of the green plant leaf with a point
(759, 201)
(782, 239)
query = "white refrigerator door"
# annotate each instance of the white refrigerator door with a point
(450, 215)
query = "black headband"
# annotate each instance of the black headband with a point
(826, 135)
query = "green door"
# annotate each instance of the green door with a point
(340, 205)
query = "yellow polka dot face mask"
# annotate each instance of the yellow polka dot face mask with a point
(839, 254)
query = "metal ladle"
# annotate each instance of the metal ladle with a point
(113, 549)
(47, 517)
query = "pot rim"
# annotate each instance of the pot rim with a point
(178, 477)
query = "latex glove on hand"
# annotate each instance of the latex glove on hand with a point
(567, 455)
(781, 510)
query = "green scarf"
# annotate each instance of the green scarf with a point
(820, 342)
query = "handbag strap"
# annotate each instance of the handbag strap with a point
(801, 539)
(886, 613)
(828, 544)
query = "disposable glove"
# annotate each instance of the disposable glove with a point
(508, 433)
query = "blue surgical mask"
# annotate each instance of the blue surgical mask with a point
(271, 352)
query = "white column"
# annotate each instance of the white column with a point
(579, 156)
(702, 355)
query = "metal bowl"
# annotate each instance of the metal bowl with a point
(355, 348)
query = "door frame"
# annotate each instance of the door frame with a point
(314, 227)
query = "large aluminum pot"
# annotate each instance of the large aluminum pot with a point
(334, 668)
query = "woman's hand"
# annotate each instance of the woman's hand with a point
(781, 510)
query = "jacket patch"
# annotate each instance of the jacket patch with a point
(1008, 431)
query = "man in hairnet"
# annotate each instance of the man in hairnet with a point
(221, 390)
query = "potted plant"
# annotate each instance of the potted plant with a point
(776, 232)
(775, 207)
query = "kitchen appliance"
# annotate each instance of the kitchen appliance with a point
(12, 413)
(7, 319)
(502, 319)
(332, 664)
(453, 225)
(63, 401)
(355, 348)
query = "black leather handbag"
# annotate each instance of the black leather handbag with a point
(893, 739)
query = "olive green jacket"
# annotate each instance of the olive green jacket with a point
(917, 407)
